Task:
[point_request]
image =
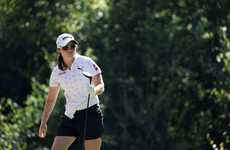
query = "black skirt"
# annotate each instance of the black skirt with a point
(75, 126)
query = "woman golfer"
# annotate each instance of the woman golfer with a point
(68, 74)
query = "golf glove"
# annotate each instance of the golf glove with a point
(91, 90)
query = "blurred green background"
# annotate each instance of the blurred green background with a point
(165, 64)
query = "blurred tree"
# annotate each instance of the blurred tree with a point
(166, 60)
(28, 31)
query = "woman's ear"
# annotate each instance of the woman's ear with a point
(59, 50)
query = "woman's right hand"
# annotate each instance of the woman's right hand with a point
(42, 130)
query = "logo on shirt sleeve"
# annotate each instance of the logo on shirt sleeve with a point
(95, 67)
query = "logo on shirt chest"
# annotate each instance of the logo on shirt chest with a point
(62, 73)
(80, 68)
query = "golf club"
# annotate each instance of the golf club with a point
(89, 76)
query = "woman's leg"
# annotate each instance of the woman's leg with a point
(94, 144)
(62, 142)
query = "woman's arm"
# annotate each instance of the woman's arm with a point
(99, 84)
(49, 105)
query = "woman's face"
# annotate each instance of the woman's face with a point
(69, 50)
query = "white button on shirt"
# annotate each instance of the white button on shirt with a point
(75, 84)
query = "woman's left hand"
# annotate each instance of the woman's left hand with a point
(91, 90)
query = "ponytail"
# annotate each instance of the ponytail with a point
(61, 64)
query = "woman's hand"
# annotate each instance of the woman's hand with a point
(91, 90)
(42, 130)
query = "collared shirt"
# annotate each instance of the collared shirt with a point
(75, 84)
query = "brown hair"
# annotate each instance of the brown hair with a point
(61, 65)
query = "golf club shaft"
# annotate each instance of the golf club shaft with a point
(86, 117)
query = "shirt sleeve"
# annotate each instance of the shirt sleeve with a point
(92, 67)
(53, 79)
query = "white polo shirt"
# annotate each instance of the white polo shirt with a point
(75, 84)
